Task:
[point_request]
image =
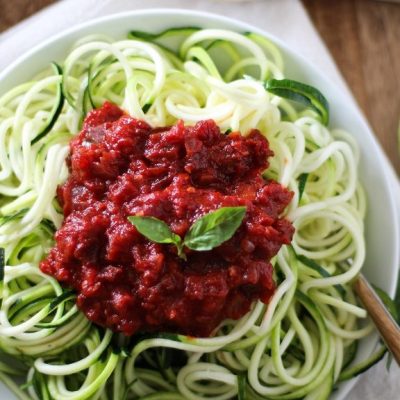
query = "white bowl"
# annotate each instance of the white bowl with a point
(382, 230)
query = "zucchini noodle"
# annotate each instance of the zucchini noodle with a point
(297, 346)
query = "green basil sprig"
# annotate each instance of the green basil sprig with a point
(301, 93)
(214, 228)
(156, 230)
(206, 233)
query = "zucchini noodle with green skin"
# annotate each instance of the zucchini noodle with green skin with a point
(299, 345)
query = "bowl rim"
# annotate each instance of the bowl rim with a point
(383, 161)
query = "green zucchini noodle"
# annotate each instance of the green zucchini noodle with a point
(297, 346)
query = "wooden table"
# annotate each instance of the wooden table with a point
(362, 35)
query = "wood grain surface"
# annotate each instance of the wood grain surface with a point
(13, 11)
(364, 39)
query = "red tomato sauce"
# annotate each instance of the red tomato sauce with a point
(120, 166)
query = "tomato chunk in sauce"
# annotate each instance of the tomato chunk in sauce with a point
(120, 166)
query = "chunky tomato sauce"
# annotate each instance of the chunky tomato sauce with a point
(120, 166)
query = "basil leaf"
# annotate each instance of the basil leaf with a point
(154, 229)
(214, 228)
(301, 93)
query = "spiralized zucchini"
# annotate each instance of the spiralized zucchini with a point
(298, 345)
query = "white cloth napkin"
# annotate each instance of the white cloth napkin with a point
(286, 19)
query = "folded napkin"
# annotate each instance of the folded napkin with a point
(285, 19)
